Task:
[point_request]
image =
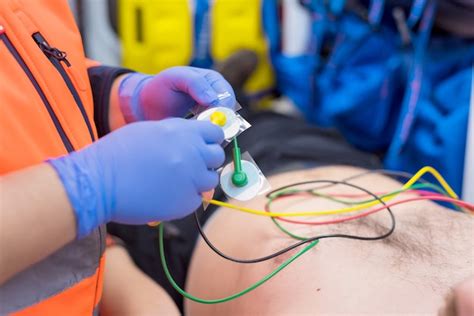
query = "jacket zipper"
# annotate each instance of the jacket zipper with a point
(56, 57)
(11, 48)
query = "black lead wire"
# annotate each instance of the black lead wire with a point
(310, 239)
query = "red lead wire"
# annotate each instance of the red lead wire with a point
(434, 197)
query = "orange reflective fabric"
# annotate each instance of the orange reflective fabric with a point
(28, 135)
(71, 301)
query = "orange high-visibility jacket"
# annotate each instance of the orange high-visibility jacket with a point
(47, 110)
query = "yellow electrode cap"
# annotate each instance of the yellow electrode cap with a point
(218, 118)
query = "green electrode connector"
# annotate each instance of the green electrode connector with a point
(239, 177)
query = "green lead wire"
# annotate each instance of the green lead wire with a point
(239, 177)
(275, 195)
(231, 297)
(238, 168)
(413, 187)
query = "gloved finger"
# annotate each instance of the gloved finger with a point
(213, 155)
(193, 82)
(207, 180)
(195, 200)
(220, 85)
(212, 134)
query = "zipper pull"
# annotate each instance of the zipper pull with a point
(57, 54)
(49, 51)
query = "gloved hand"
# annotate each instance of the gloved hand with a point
(171, 93)
(143, 172)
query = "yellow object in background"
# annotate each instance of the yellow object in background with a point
(237, 24)
(155, 34)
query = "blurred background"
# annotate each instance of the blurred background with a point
(393, 78)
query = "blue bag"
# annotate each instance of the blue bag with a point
(432, 127)
(412, 101)
(296, 75)
(358, 86)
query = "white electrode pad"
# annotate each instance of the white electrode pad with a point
(232, 124)
(249, 191)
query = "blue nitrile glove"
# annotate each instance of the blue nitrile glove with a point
(143, 172)
(171, 93)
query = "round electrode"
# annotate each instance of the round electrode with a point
(232, 123)
(219, 118)
(246, 192)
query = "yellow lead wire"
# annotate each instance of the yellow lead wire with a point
(408, 184)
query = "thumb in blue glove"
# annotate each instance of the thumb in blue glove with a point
(143, 172)
(171, 93)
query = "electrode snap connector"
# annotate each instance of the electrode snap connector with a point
(239, 177)
(242, 179)
(225, 118)
(218, 118)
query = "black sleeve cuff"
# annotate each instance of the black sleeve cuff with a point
(101, 79)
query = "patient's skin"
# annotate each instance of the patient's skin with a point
(409, 273)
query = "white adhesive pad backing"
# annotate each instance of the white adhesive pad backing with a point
(247, 192)
(232, 125)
